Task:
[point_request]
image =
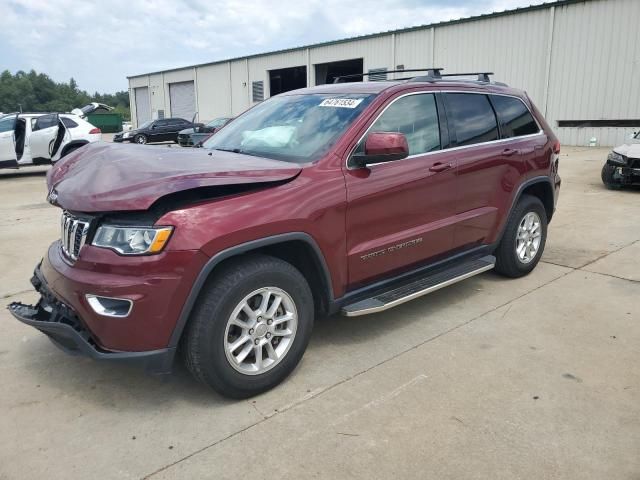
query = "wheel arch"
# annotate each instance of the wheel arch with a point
(543, 189)
(297, 248)
(540, 187)
(72, 145)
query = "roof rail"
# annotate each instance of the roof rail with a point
(430, 71)
(433, 75)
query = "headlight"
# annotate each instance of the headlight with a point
(617, 158)
(132, 240)
(126, 135)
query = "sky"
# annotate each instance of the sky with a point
(100, 43)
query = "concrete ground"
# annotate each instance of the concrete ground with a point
(491, 378)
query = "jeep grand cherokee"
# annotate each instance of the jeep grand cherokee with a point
(351, 197)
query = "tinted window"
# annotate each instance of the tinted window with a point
(217, 123)
(515, 118)
(472, 117)
(161, 123)
(45, 121)
(417, 117)
(68, 122)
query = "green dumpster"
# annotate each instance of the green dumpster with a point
(107, 122)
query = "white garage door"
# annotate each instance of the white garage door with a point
(183, 100)
(143, 105)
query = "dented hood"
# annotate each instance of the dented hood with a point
(629, 150)
(110, 177)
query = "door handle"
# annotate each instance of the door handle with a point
(507, 152)
(440, 167)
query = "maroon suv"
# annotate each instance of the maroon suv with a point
(351, 197)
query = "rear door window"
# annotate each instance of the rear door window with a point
(473, 118)
(416, 116)
(515, 118)
(45, 121)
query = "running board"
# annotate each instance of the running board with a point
(419, 287)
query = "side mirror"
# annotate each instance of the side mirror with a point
(153, 127)
(382, 147)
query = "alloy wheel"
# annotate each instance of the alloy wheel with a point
(260, 330)
(528, 237)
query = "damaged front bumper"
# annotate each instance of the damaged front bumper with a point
(625, 170)
(66, 330)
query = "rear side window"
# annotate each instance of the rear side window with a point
(473, 118)
(417, 117)
(515, 118)
(68, 122)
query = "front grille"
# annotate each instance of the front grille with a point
(73, 234)
(633, 162)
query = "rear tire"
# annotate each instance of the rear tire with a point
(607, 177)
(140, 139)
(523, 239)
(219, 322)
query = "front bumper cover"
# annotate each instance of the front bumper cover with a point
(624, 174)
(67, 331)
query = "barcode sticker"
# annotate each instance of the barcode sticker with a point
(341, 102)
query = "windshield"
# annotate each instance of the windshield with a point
(145, 124)
(294, 128)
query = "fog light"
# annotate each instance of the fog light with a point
(109, 307)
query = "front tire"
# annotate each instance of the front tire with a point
(523, 239)
(607, 177)
(140, 139)
(250, 327)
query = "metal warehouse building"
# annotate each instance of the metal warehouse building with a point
(579, 60)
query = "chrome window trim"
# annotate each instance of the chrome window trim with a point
(433, 92)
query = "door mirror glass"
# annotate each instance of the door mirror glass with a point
(382, 147)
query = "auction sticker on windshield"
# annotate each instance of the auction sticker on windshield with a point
(341, 102)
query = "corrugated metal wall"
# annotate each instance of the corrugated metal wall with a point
(595, 68)
(579, 61)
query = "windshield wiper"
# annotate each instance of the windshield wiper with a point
(232, 150)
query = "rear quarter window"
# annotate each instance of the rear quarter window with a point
(68, 122)
(514, 117)
(473, 118)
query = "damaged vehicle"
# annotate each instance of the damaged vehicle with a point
(349, 198)
(622, 168)
(194, 136)
(43, 138)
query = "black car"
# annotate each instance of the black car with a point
(163, 130)
(193, 136)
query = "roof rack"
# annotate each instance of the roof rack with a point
(436, 74)
(339, 79)
(433, 75)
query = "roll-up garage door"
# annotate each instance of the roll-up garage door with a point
(183, 100)
(143, 105)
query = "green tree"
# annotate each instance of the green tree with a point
(36, 92)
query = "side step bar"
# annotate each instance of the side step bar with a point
(419, 287)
